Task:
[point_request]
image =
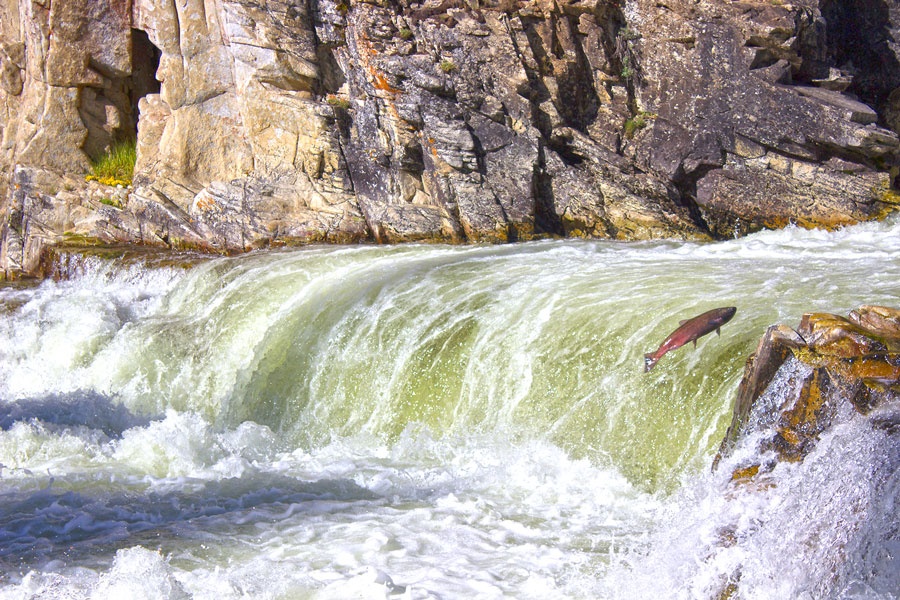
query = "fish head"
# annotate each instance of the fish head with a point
(723, 315)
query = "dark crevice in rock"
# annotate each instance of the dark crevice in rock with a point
(579, 102)
(110, 112)
(536, 45)
(546, 219)
(576, 98)
(811, 47)
(412, 159)
(347, 182)
(479, 152)
(541, 121)
(625, 58)
(536, 91)
(826, 153)
(512, 233)
(332, 77)
(144, 64)
(859, 40)
(563, 147)
(685, 183)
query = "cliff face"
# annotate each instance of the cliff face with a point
(284, 121)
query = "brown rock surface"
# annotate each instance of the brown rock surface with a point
(854, 360)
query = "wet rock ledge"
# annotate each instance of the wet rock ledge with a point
(842, 361)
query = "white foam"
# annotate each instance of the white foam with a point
(791, 533)
(426, 422)
(139, 574)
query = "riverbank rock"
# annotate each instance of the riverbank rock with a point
(799, 385)
(262, 122)
(850, 363)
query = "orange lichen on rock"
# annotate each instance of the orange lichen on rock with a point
(832, 335)
(853, 360)
(381, 83)
(205, 203)
(745, 473)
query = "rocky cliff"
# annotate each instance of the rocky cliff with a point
(264, 122)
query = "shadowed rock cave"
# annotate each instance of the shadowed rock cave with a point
(110, 113)
(859, 43)
(144, 64)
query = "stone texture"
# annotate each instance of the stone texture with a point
(798, 385)
(854, 360)
(285, 121)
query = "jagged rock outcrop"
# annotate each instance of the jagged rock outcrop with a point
(801, 389)
(842, 363)
(286, 121)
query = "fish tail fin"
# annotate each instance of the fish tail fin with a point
(649, 362)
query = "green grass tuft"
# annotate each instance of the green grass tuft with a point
(116, 167)
(637, 122)
(112, 202)
(338, 102)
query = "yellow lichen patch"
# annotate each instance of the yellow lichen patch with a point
(806, 409)
(887, 196)
(728, 591)
(108, 180)
(78, 239)
(882, 384)
(881, 368)
(832, 335)
(886, 193)
(745, 474)
(789, 435)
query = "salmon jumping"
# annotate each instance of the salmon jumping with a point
(690, 331)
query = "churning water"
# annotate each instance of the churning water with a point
(431, 422)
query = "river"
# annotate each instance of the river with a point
(431, 422)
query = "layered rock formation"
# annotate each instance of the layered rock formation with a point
(801, 390)
(841, 364)
(286, 121)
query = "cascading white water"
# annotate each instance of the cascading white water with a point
(430, 422)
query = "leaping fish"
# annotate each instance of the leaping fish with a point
(690, 331)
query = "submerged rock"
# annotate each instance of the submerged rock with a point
(851, 362)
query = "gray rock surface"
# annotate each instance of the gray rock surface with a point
(263, 122)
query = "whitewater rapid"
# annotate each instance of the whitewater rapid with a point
(430, 422)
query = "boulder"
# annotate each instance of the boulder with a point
(798, 385)
(848, 363)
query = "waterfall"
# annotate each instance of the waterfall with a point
(430, 421)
